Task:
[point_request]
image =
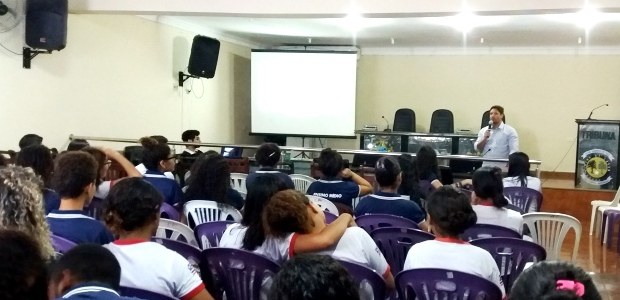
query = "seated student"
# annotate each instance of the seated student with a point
(21, 206)
(409, 187)
(104, 158)
(30, 139)
(86, 272)
(189, 155)
(74, 180)
(131, 210)
(77, 144)
(23, 269)
(250, 234)
(427, 168)
(387, 200)
(519, 174)
(142, 168)
(158, 158)
(39, 158)
(289, 213)
(210, 180)
(450, 214)
(332, 186)
(268, 156)
(554, 280)
(306, 277)
(488, 200)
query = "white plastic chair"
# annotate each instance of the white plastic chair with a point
(177, 231)
(549, 230)
(324, 204)
(203, 211)
(302, 182)
(237, 181)
(598, 206)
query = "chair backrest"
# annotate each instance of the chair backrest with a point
(364, 276)
(515, 208)
(329, 217)
(486, 118)
(511, 255)
(394, 243)
(191, 253)
(238, 273)
(444, 284)
(616, 200)
(442, 121)
(94, 208)
(142, 294)
(404, 120)
(133, 154)
(61, 245)
(549, 230)
(237, 181)
(177, 231)
(301, 182)
(202, 211)
(371, 222)
(523, 197)
(324, 204)
(167, 211)
(209, 234)
(481, 231)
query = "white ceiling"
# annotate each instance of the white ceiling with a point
(413, 25)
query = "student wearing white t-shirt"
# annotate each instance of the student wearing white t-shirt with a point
(449, 215)
(131, 210)
(519, 175)
(250, 233)
(289, 215)
(489, 202)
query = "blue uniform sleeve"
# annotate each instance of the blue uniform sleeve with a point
(311, 188)
(177, 194)
(415, 213)
(234, 198)
(288, 181)
(352, 190)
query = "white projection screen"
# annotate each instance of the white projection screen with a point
(307, 93)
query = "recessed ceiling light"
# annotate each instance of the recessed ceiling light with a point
(579, 40)
(392, 41)
(481, 40)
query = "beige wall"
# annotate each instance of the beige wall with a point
(542, 95)
(117, 78)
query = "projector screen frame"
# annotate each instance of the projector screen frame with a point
(352, 136)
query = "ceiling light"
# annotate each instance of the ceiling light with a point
(579, 40)
(392, 41)
(481, 40)
(466, 21)
(309, 40)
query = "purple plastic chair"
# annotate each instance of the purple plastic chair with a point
(329, 217)
(511, 255)
(371, 222)
(394, 243)
(168, 211)
(209, 234)
(363, 275)
(238, 273)
(481, 231)
(142, 294)
(429, 284)
(61, 245)
(524, 198)
(191, 253)
(610, 217)
(94, 208)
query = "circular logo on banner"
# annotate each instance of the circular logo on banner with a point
(597, 166)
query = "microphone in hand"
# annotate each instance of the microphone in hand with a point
(387, 124)
(490, 124)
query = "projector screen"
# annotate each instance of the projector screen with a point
(305, 93)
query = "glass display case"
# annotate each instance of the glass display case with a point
(411, 142)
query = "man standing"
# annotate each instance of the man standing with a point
(189, 154)
(498, 140)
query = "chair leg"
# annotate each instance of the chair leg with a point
(611, 220)
(603, 228)
(593, 218)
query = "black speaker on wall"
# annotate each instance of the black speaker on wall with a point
(46, 24)
(203, 59)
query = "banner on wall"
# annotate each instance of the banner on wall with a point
(598, 143)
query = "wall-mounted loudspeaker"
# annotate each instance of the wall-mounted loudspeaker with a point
(46, 24)
(203, 59)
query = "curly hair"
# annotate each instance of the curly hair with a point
(210, 179)
(450, 211)
(153, 152)
(21, 206)
(132, 203)
(287, 212)
(39, 158)
(20, 263)
(74, 170)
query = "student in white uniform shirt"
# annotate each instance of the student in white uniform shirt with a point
(131, 210)
(489, 202)
(289, 214)
(449, 215)
(250, 233)
(519, 175)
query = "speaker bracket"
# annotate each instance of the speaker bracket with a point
(29, 54)
(183, 77)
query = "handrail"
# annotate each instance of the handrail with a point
(536, 163)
